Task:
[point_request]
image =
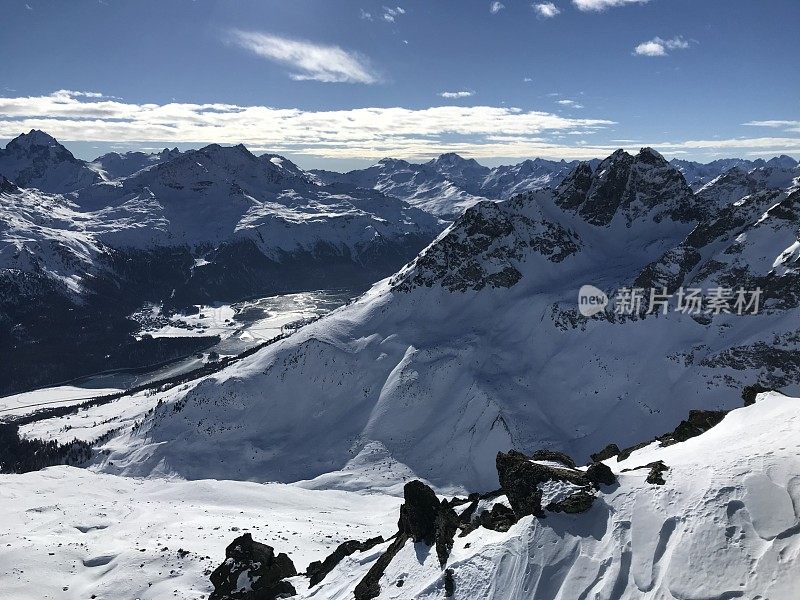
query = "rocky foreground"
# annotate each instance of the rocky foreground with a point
(547, 492)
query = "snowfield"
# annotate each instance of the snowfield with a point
(726, 524)
(69, 533)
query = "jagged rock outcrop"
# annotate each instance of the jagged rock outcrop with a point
(318, 570)
(600, 474)
(252, 571)
(631, 186)
(446, 526)
(750, 392)
(606, 453)
(656, 474)
(526, 483)
(698, 422)
(418, 512)
(485, 246)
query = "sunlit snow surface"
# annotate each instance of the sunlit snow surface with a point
(61, 395)
(726, 524)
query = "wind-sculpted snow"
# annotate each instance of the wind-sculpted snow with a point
(725, 524)
(476, 346)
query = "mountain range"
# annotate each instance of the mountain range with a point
(477, 346)
(469, 368)
(83, 244)
(449, 184)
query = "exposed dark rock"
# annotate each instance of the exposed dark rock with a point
(449, 583)
(369, 587)
(626, 452)
(317, 571)
(600, 474)
(446, 525)
(699, 421)
(418, 513)
(466, 515)
(579, 502)
(263, 568)
(750, 392)
(555, 456)
(500, 518)
(571, 192)
(484, 247)
(606, 453)
(656, 474)
(521, 478)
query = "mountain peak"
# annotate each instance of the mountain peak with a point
(37, 159)
(451, 158)
(782, 162)
(649, 155)
(35, 137)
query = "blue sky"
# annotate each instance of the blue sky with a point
(339, 84)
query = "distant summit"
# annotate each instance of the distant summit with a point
(37, 160)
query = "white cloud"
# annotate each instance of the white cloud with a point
(356, 133)
(496, 7)
(527, 80)
(570, 103)
(792, 126)
(74, 94)
(546, 10)
(600, 5)
(309, 61)
(461, 94)
(367, 16)
(658, 46)
(390, 14)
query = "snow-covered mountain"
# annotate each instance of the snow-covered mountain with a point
(215, 224)
(476, 345)
(473, 348)
(449, 184)
(116, 165)
(698, 174)
(37, 160)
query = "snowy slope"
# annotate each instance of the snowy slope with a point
(724, 525)
(476, 346)
(69, 533)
